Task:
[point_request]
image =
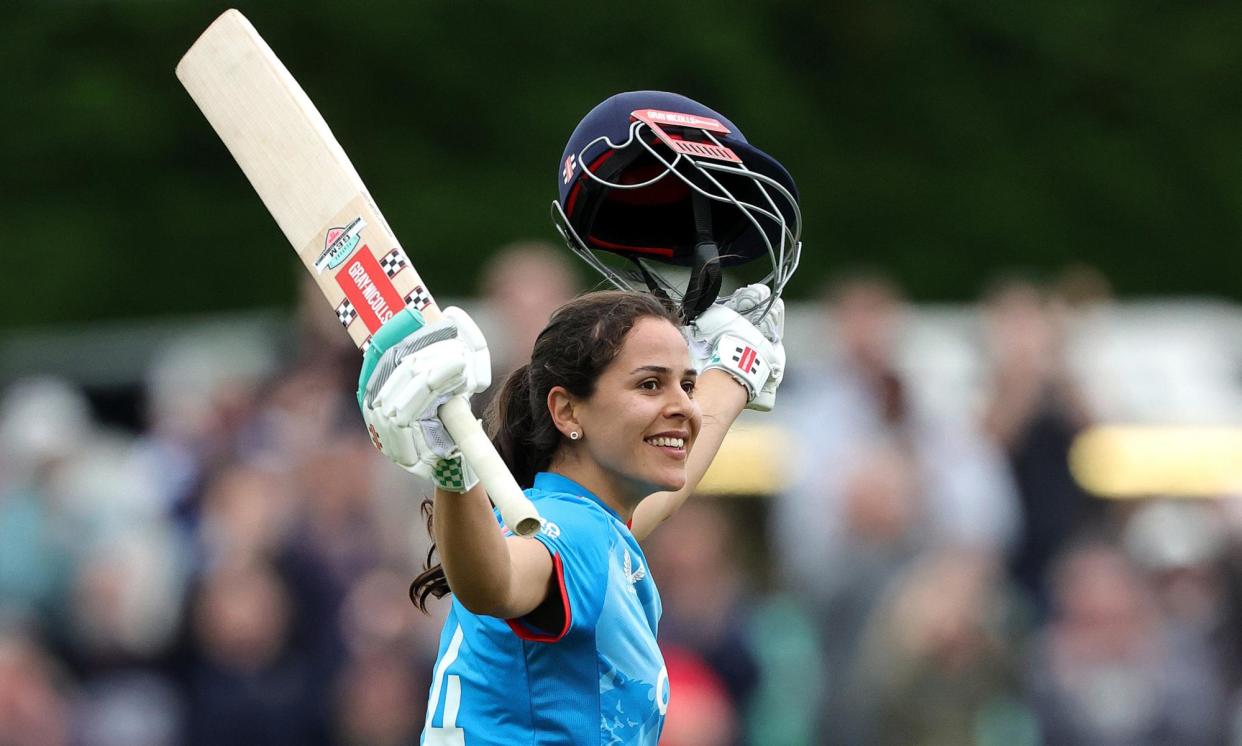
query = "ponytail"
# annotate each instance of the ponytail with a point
(432, 580)
(521, 428)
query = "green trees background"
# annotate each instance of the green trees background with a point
(940, 141)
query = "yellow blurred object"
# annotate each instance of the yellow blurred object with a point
(753, 460)
(1122, 461)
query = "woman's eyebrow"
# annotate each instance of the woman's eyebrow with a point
(661, 370)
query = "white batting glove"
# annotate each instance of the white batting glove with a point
(751, 302)
(723, 337)
(406, 388)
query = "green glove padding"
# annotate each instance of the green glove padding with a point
(393, 331)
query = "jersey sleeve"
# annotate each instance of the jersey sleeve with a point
(577, 536)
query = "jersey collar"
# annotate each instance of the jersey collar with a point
(552, 482)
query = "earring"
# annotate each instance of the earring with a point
(574, 435)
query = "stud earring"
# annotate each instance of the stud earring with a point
(575, 435)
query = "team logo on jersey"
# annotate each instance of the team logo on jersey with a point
(568, 171)
(634, 575)
(549, 529)
(338, 244)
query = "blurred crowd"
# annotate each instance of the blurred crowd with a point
(962, 587)
(236, 570)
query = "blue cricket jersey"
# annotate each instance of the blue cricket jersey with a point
(599, 680)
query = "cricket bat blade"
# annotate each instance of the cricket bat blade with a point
(312, 190)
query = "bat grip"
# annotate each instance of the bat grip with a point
(516, 510)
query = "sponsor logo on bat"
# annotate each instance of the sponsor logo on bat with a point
(371, 293)
(369, 289)
(339, 245)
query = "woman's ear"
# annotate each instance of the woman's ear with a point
(563, 407)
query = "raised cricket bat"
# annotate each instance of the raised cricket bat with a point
(317, 198)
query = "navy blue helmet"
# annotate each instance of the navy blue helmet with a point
(660, 179)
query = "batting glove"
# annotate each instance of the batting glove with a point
(751, 302)
(403, 386)
(723, 337)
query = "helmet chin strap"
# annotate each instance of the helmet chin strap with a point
(705, 276)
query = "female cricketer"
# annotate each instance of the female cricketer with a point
(609, 427)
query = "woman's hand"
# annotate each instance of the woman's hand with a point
(403, 391)
(742, 337)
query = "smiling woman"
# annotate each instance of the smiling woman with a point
(585, 348)
(640, 419)
(608, 428)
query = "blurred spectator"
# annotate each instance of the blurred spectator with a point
(878, 476)
(784, 710)
(1183, 546)
(700, 712)
(721, 635)
(304, 408)
(247, 514)
(1033, 411)
(1179, 544)
(250, 515)
(938, 663)
(842, 405)
(523, 283)
(131, 707)
(201, 395)
(377, 617)
(44, 424)
(880, 538)
(705, 610)
(314, 533)
(42, 421)
(247, 683)
(34, 709)
(124, 605)
(340, 526)
(381, 701)
(1109, 669)
(381, 693)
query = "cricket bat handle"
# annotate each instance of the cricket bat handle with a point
(516, 510)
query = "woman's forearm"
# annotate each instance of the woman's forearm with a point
(488, 573)
(471, 548)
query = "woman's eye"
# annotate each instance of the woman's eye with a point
(650, 384)
(687, 386)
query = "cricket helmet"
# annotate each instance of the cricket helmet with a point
(659, 179)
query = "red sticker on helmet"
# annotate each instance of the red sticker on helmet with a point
(673, 119)
(657, 120)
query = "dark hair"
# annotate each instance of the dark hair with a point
(582, 338)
